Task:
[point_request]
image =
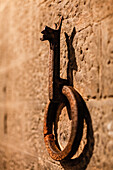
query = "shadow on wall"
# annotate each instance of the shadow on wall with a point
(81, 162)
(72, 64)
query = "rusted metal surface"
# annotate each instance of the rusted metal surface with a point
(53, 36)
(60, 94)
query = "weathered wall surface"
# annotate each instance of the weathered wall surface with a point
(24, 77)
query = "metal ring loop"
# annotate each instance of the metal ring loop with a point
(76, 114)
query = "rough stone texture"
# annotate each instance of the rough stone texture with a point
(24, 79)
(107, 57)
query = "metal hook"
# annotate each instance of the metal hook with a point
(60, 94)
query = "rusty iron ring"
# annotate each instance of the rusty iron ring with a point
(75, 113)
(81, 161)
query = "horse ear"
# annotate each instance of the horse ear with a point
(73, 34)
(55, 25)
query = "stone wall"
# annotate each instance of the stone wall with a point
(24, 78)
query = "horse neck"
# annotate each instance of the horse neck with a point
(54, 59)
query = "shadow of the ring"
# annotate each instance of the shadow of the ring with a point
(81, 162)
